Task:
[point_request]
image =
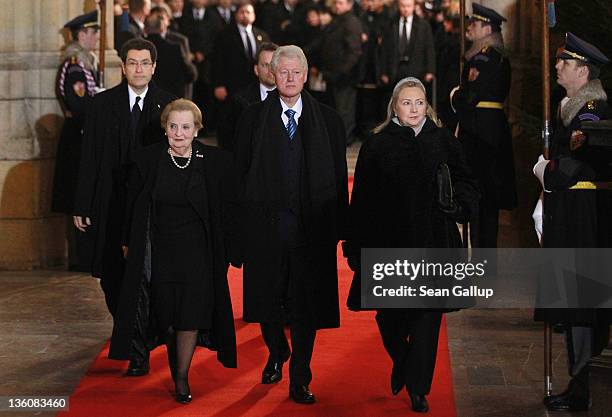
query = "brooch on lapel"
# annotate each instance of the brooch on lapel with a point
(199, 155)
(158, 106)
(259, 38)
(577, 139)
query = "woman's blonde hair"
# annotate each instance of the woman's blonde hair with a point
(182, 105)
(401, 84)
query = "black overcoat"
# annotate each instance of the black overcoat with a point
(394, 198)
(324, 203)
(577, 218)
(212, 191)
(484, 132)
(102, 174)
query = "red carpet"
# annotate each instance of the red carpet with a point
(350, 377)
(350, 370)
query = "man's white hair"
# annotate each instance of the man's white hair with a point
(289, 51)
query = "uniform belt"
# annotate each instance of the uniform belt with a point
(589, 185)
(490, 105)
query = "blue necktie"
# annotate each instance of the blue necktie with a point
(291, 124)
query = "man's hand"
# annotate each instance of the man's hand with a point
(81, 223)
(199, 57)
(385, 79)
(220, 93)
(124, 249)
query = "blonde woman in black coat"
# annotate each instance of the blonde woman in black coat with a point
(395, 205)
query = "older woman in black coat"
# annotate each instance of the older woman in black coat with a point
(395, 204)
(179, 238)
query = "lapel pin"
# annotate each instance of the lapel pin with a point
(158, 106)
(198, 155)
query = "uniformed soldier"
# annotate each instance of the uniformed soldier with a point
(577, 205)
(483, 125)
(76, 83)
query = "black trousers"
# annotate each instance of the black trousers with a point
(483, 230)
(303, 329)
(411, 340)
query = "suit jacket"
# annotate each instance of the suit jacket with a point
(341, 49)
(173, 70)
(212, 192)
(232, 67)
(237, 104)
(421, 50)
(183, 41)
(108, 143)
(202, 35)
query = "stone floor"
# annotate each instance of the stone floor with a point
(53, 324)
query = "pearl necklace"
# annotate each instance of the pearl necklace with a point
(176, 163)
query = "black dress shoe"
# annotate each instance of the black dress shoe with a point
(273, 371)
(183, 398)
(566, 402)
(419, 403)
(301, 395)
(138, 367)
(397, 381)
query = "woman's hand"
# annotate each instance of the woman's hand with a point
(125, 251)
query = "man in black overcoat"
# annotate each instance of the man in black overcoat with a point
(483, 125)
(254, 93)
(577, 207)
(120, 122)
(291, 159)
(173, 70)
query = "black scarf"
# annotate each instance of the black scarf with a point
(318, 171)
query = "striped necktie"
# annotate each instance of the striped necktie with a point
(291, 124)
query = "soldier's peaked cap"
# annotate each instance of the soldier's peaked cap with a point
(87, 20)
(486, 15)
(576, 48)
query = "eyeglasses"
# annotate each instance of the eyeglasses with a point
(134, 64)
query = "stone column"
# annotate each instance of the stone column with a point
(30, 122)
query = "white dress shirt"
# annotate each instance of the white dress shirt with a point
(247, 31)
(297, 108)
(263, 91)
(198, 14)
(408, 26)
(133, 95)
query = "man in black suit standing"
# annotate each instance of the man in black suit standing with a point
(171, 35)
(408, 47)
(255, 92)
(201, 27)
(339, 58)
(234, 54)
(138, 11)
(173, 71)
(291, 159)
(119, 122)
(224, 12)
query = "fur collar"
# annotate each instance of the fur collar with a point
(494, 40)
(593, 90)
(88, 58)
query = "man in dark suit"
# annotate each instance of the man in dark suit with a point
(253, 93)
(173, 71)
(178, 38)
(234, 54)
(408, 47)
(223, 12)
(201, 27)
(339, 62)
(291, 159)
(138, 11)
(119, 123)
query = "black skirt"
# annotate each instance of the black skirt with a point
(181, 283)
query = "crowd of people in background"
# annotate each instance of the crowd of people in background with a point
(356, 50)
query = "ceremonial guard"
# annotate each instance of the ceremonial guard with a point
(76, 83)
(577, 204)
(483, 125)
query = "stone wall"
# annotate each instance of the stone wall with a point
(30, 122)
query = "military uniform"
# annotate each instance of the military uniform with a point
(484, 130)
(577, 214)
(75, 85)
